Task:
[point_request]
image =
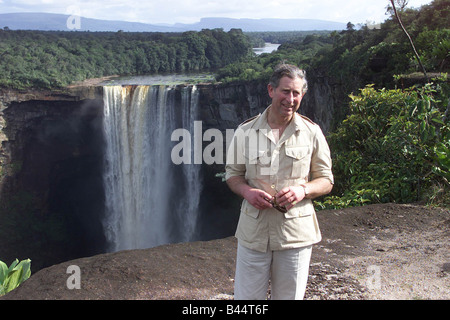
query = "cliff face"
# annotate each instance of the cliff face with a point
(21, 110)
(319, 103)
(226, 106)
(50, 176)
(51, 162)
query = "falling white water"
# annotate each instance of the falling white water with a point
(147, 202)
(188, 205)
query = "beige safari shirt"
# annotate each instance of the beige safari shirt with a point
(300, 155)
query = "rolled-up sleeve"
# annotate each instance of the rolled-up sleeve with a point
(235, 163)
(321, 165)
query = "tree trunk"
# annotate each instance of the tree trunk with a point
(410, 40)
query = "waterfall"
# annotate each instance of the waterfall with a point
(149, 200)
(188, 205)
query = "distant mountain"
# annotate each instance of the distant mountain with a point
(250, 25)
(62, 22)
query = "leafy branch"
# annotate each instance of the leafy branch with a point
(411, 42)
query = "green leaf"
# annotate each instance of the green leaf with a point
(13, 265)
(413, 110)
(25, 265)
(437, 120)
(3, 271)
(13, 280)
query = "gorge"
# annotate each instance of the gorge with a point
(68, 172)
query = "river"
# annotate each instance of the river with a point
(171, 79)
(268, 48)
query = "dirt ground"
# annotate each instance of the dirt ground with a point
(385, 251)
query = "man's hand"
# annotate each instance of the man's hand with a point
(258, 198)
(290, 196)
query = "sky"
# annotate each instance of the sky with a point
(191, 11)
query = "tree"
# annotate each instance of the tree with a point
(403, 3)
(55, 59)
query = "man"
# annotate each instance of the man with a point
(278, 161)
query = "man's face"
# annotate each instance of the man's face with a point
(286, 97)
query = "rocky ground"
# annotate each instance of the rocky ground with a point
(384, 251)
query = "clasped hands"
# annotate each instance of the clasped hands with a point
(283, 200)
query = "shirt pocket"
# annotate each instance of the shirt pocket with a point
(249, 210)
(303, 209)
(301, 160)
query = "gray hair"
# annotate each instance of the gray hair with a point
(288, 70)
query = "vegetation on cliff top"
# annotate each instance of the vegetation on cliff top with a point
(38, 59)
(393, 147)
(355, 57)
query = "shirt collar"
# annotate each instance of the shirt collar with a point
(294, 126)
(261, 122)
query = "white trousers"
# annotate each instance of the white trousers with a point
(286, 269)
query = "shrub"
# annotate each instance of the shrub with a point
(393, 147)
(12, 277)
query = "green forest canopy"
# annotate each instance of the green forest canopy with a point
(55, 59)
(355, 57)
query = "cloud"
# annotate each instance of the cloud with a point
(189, 11)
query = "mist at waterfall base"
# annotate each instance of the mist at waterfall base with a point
(149, 200)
